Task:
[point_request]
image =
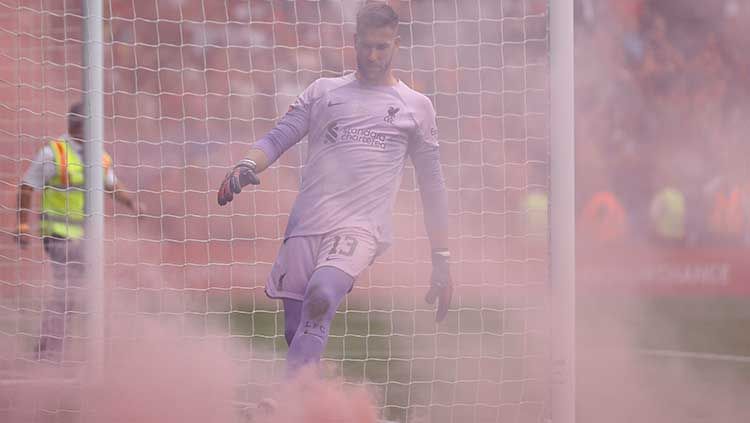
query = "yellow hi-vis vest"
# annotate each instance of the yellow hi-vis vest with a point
(64, 197)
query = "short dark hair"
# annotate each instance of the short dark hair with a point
(376, 14)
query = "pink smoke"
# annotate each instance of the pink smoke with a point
(159, 377)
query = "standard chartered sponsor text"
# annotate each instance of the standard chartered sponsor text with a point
(364, 136)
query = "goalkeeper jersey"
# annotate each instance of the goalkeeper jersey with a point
(359, 137)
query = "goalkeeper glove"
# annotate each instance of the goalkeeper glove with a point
(243, 173)
(441, 288)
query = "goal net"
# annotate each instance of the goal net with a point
(188, 85)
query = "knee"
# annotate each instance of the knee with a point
(319, 304)
(327, 288)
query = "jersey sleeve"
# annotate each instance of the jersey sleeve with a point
(291, 128)
(425, 155)
(41, 170)
(424, 150)
(426, 121)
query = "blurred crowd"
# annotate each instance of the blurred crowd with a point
(661, 121)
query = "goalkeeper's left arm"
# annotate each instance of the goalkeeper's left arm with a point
(426, 159)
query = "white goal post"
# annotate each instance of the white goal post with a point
(562, 210)
(93, 95)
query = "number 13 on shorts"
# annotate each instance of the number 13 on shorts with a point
(342, 246)
(349, 249)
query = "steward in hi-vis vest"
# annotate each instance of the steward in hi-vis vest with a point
(58, 170)
(63, 200)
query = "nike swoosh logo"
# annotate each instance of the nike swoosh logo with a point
(334, 103)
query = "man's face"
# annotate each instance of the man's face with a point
(75, 127)
(76, 121)
(375, 49)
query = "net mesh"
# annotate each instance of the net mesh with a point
(188, 86)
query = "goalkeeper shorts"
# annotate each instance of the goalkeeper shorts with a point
(351, 250)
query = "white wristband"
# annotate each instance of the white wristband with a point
(248, 162)
(442, 253)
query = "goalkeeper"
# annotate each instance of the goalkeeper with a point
(361, 127)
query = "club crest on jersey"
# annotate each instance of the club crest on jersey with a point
(391, 115)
